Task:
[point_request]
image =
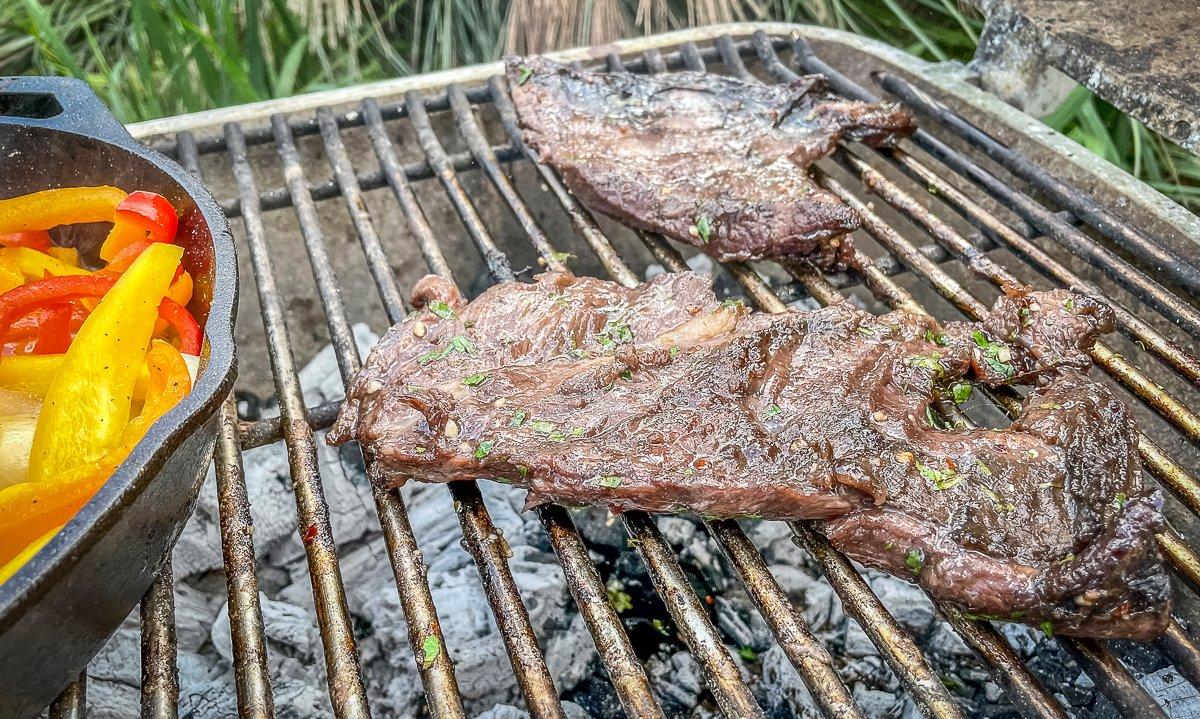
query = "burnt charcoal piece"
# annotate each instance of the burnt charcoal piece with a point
(712, 161)
(662, 398)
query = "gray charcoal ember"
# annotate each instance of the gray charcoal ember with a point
(906, 602)
(211, 699)
(944, 642)
(507, 711)
(794, 581)
(1178, 698)
(804, 304)
(731, 620)
(348, 495)
(774, 540)
(822, 609)
(121, 658)
(857, 643)
(877, 704)
(677, 679)
(1023, 639)
(198, 549)
(301, 698)
(291, 632)
(600, 527)
(113, 700)
(321, 378)
(569, 654)
(398, 692)
(195, 612)
(872, 671)
(992, 692)
(785, 691)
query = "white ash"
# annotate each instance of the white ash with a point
(482, 667)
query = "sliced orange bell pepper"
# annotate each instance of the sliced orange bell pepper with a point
(64, 206)
(88, 403)
(27, 510)
(10, 567)
(142, 216)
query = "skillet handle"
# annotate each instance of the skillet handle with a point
(58, 103)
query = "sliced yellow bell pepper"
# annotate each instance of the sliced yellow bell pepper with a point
(27, 510)
(33, 374)
(66, 255)
(10, 275)
(87, 405)
(36, 265)
(64, 206)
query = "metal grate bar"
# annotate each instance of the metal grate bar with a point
(160, 673)
(343, 673)
(721, 673)
(1114, 680)
(72, 703)
(1082, 206)
(425, 635)
(858, 601)
(803, 650)
(252, 678)
(278, 197)
(1171, 353)
(496, 261)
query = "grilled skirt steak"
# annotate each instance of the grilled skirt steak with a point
(708, 160)
(664, 399)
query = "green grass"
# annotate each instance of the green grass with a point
(150, 58)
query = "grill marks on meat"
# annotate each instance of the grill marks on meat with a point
(664, 399)
(712, 161)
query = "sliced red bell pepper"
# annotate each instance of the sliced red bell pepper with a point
(35, 240)
(20, 301)
(54, 331)
(191, 336)
(140, 216)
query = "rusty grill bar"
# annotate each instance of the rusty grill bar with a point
(1020, 226)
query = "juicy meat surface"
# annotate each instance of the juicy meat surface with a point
(662, 398)
(712, 161)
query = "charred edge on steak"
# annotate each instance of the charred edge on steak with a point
(712, 161)
(662, 398)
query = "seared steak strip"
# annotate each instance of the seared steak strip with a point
(662, 398)
(712, 161)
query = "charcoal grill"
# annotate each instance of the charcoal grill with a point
(985, 213)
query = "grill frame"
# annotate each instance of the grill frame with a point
(481, 538)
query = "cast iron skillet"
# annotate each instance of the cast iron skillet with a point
(62, 606)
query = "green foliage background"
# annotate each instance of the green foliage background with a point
(150, 58)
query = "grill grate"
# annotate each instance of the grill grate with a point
(1014, 229)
